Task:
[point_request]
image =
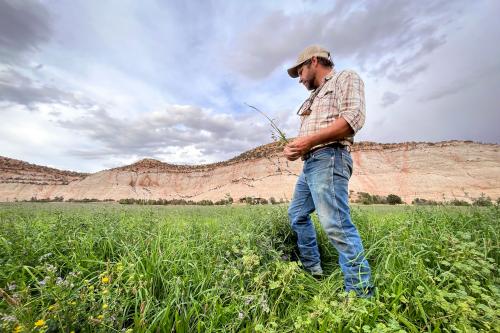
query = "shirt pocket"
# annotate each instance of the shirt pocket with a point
(323, 101)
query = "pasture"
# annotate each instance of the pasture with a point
(113, 268)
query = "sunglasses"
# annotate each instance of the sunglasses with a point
(305, 108)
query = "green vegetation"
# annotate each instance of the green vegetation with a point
(277, 134)
(119, 268)
(174, 202)
(483, 201)
(393, 199)
(424, 202)
(371, 199)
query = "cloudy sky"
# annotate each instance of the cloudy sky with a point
(89, 85)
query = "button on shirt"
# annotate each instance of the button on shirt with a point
(341, 95)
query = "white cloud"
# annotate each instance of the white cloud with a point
(111, 84)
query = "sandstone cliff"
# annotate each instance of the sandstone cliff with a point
(438, 171)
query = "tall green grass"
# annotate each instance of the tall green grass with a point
(109, 268)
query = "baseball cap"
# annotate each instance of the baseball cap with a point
(308, 53)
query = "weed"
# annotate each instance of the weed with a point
(104, 268)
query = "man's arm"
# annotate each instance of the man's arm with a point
(298, 147)
(351, 119)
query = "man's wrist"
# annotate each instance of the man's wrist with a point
(313, 141)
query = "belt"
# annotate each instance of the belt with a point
(330, 145)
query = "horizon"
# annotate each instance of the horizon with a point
(93, 86)
(235, 157)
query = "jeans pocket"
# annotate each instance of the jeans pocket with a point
(342, 166)
(322, 154)
(347, 164)
(320, 162)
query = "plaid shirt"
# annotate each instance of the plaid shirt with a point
(341, 95)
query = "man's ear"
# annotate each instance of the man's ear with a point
(314, 61)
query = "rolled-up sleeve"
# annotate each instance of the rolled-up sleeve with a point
(352, 102)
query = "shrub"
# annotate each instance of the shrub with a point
(364, 198)
(482, 201)
(419, 201)
(131, 201)
(456, 202)
(126, 201)
(368, 199)
(248, 200)
(393, 199)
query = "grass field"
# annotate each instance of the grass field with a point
(112, 268)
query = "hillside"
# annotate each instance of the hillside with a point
(438, 171)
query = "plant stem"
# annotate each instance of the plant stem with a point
(281, 134)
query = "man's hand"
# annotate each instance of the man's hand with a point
(297, 148)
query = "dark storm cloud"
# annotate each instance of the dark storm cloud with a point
(177, 127)
(17, 88)
(404, 75)
(24, 25)
(468, 80)
(389, 98)
(451, 89)
(396, 34)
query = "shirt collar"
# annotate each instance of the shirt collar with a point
(327, 77)
(330, 75)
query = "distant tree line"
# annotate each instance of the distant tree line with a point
(371, 199)
(363, 198)
(165, 202)
(61, 199)
(228, 200)
(482, 201)
(393, 199)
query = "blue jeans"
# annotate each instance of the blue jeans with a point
(323, 186)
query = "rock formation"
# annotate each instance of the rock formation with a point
(438, 171)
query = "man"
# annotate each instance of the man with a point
(330, 117)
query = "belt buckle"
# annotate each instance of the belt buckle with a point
(331, 145)
(307, 155)
(310, 153)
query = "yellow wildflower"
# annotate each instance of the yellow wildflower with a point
(104, 306)
(105, 279)
(18, 329)
(100, 317)
(39, 323)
